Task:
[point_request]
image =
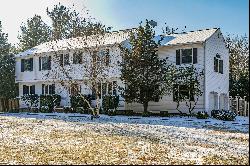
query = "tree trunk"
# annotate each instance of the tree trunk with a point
(178, 105)
(145, 107)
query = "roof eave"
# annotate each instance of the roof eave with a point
(181, 44)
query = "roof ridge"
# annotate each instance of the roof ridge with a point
(193, 31)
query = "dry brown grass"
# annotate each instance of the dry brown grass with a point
(30, 141)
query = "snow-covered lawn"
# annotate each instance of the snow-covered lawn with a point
(75, 139)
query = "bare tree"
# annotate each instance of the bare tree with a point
(92, 54)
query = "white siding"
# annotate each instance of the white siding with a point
(166, 103)
(215, 81)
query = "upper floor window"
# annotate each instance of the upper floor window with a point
(77, 58)
(48, 89)
(186, 56)
(102, 57)
(64, 59)
(27, 90)
(45, 63)
(218, 64)
(27, 64)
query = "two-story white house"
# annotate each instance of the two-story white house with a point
(38, 73)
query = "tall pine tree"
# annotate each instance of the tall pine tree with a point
(238, 66)
(8, 88)
(143, 72)
(33, 33)
(67, 23)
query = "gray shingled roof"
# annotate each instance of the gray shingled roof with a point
(117, 37)
(188, 37)
(77, 43)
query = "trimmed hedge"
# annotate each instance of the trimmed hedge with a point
(164, 114)
(31, 100)
(110, 102)
(78, 101)
(202, 115)
(49, 102)
(225, 115)
(146, 114)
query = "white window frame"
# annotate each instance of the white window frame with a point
(191, 55)
(29, 89)
(218, 63)
(63, 59)
(44, 89)
(41, 62)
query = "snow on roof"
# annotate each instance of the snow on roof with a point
(117, 37)
(188, 37)
(78, 43)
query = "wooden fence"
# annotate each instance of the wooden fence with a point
(239, 105)
(8, 104)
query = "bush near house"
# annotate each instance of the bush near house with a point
(223, 115)
(110, 102)
(164, 114)
(68, 109)
(146, 114)
(31, 100)
(202, 115)
(48, 102)
(78, 101)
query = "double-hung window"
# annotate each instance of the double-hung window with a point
(77, 58)
(103, 57)
(186, 56)
(28, 89)
(64, 59)
(27, 64)
(48, 89)
(45, 63)
(218, 64)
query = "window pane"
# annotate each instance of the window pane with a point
(216, 61)
(27, 65)
(221, 66)
(104, 89)
(114, 88)
(46, 89)
(25, 90)
(50, 89)
(66, 59)
(45, 63)
(107, 57)
(186, 56)
(77, 58)
(42, 88)
(61, 59)
(32, 89)
(99, 90)
(110, 88)
(53, 88)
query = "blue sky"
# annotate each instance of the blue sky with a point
(232, 16)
